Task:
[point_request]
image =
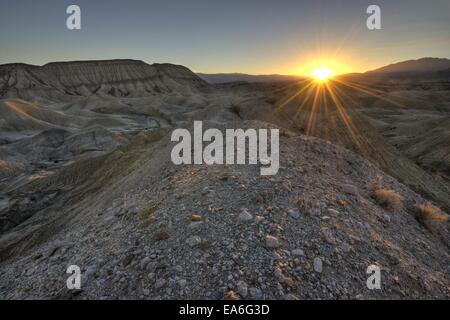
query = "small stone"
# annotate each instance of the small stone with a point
(193, 241)
(90, 271)
(426, 286)
(242, 289)
(29, 272)
(196, 217)
(151, 266)
(332, 211)
(144, 262)
(317, 265)
(196, 225)
(182, 282)
(206, 190)
(290, 296)
(294, 213)
(298, 253)
(160, 283)
(278, 273)
(329, 236)
(255, 292)
(272, 242)
(259, 219)
(245, 216)
(145, 292)
(346, 247)
(386, 218)
(178, 268)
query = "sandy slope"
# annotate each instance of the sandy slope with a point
(18, 115)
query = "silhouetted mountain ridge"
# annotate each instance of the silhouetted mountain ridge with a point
(239, 77)
(420, 65)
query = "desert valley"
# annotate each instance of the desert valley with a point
(86, 179)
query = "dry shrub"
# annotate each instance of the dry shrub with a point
(429, 212)
(231, 295)
(388, 198)
(149, 221)
(147, 215)
(306, 206)
(161, 234)
(148, 212)
(342, 202)
(433, 219)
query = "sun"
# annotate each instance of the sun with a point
(322, 73)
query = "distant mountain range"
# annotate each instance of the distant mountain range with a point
(420, 65)
(424, 67)
(237, 77)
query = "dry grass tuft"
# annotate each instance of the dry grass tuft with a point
(161, 234)
(231, 295)
(342, 202)
(387, 198)
(432, 218)
(147, 215)
(429, 212)
(306, 206)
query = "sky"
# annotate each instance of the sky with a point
(212, 36)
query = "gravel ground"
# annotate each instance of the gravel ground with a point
(140, 227)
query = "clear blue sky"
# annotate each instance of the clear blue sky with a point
(251, 36)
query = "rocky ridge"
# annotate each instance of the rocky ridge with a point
(141, 227)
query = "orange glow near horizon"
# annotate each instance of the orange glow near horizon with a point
(326, 67)
(322, 73)
(339, 61)
(323, 104)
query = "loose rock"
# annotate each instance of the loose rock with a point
(245, 216)
(272, 242)
(193, 241)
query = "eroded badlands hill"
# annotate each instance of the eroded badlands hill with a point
(61, 112)
(119, 78)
